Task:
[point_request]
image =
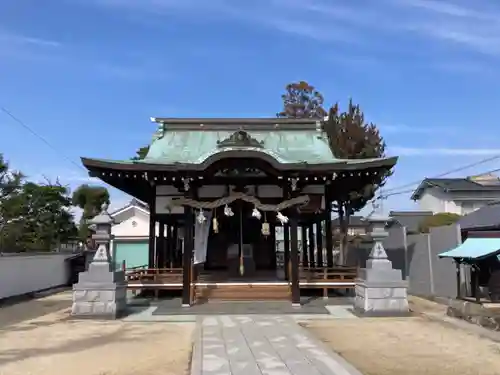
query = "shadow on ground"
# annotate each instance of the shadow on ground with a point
(14, 313)
(72, 346)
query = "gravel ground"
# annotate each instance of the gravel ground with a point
(410, 346)
(53, 344)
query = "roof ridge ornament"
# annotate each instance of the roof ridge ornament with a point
(240, 138)
(160, 131)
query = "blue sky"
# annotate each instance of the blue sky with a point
(88, 74)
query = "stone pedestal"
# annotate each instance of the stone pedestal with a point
(101, 292)
(380, 289)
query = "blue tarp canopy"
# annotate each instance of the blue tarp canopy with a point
(474, 248)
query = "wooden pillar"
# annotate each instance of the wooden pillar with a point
(187, 256)
(328, 228)
(319, 243)
(459, 281)
(294, 260)
(160, 253)
(168, 246)
(310, 241)
(477, 293)
(176, 248)
(305, 257)
(272, 227)
(152, 228)
(286, 236)
(286, 244)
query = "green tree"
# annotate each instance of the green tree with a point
(90, 199)
(141, 153)
(10, 181)
(438, 220)
(10, 186)
(33, 217)
(301, 100)
(351, 137)
(44, 217)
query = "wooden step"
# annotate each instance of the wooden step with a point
(243, 292)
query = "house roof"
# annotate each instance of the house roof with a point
(354, 221)
(134, 203)
(486, 217)
(474, 248)
(467, 184)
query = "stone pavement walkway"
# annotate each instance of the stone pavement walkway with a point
(255, 345)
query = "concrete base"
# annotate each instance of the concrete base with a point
(381, 298)
(100, 293)
(486, 315)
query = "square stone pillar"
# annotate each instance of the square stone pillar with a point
(380, 289)
(101, 292)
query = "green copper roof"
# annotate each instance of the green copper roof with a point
(193, 144)
(194, 147)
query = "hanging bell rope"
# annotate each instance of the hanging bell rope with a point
(181, 201)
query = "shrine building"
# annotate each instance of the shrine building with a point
(226, 184)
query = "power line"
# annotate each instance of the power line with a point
(459, 169)
(44, 140)
(385, 196)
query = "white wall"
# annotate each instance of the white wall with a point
(21, 274)
(435, 200)
(135, 226)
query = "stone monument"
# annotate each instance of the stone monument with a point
(101, 292)
(380, 289)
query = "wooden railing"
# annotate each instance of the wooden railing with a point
(338, 277)
(155, 279)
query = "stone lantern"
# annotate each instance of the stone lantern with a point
(101, 292)
(380, 289)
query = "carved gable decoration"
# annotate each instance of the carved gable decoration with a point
(240, 139)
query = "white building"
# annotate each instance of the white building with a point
(131, 235)
(457, 195)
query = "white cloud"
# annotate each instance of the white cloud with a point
(415, 151)
(320, 20)
(396, 129)
(17, 46)
(17, 39)
(448, 9)
(35, 49)
(475, 26)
